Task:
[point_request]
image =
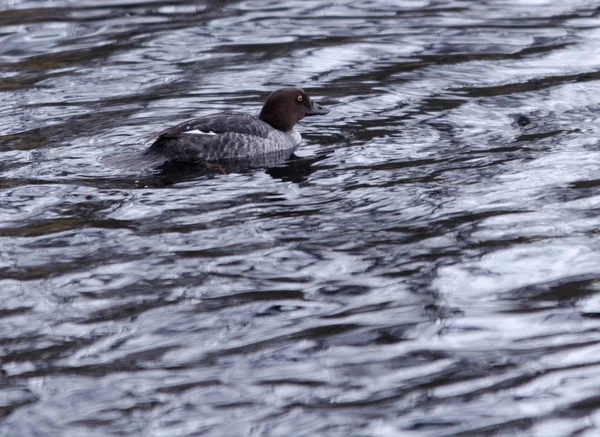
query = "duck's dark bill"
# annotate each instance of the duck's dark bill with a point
(317, 109)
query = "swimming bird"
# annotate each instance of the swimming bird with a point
(235, 136)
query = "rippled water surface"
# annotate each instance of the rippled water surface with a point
(428, 264)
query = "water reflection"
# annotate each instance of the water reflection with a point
(426, 264)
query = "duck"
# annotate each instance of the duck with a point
(235, 136)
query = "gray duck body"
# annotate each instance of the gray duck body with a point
(224, 136)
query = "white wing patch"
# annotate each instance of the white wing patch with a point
(198, 132)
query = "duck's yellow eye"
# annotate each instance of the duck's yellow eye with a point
(300, 99)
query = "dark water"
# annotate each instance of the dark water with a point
(428, 265)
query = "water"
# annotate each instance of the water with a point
(428, 265)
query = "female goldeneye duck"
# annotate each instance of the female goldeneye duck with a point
(236, 136)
